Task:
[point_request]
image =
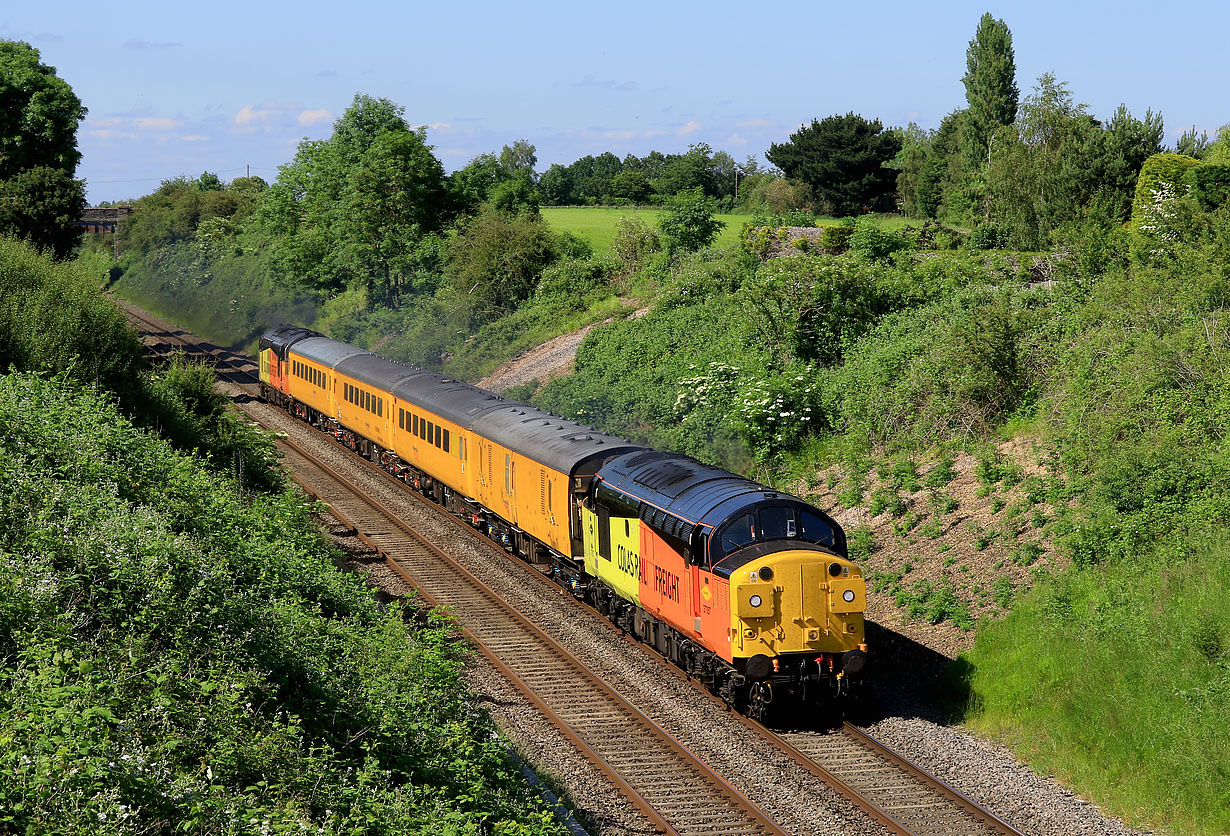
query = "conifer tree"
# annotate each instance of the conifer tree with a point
(991, 93)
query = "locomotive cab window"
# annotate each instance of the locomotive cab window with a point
(763, 524)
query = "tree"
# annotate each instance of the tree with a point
(909, 162)
(688, 223)
(991, 93)
(348, 209)
(521, 156)
(1039, 174)
(42, 205)
(556, 186)
(393, 197)
(1192, 144)
(842, 159)
(473, 184)
(494, 262)
(682, 172)
(630, 184)
(1128, 143)
(39, 115)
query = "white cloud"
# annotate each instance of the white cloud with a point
(735, 139)
(690, 127)
(194, 138)
(106, 133)
(250, 115)
(156, 123)
(314, 117)
(754, 123)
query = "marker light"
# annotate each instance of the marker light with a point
(754, 600)
(848, 596)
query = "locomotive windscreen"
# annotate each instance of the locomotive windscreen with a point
(764, 523)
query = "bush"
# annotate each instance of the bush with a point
(835, 239)
(871, 242)
(688, 224)
(633, 242)
(1208, 184)
(1159, 171)
(180, 660)
(988, 237)
(53, 320)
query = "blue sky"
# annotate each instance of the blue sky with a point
(182, 88)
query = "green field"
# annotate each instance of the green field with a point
(596, 224)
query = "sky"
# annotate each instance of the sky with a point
(228, 87)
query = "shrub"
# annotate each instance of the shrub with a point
(1159, 171)
(871, 242)
(941, 474)
(835, 239)
(860, 543)
(53, 320)
(886, 499)
(633, 241)
(1208, 184)
(988, 237)
(688, 224)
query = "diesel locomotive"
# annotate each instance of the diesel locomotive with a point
(746, 588)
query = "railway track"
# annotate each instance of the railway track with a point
(665, 781)
(672, 788)
(891, 789)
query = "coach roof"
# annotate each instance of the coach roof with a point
(325, 351)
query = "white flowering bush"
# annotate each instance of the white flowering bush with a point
(773, 411)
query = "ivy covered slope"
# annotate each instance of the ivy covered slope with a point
(176, 657)
(178, 651)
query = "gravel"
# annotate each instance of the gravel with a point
(990, 775)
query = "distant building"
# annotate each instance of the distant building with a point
(103, 218)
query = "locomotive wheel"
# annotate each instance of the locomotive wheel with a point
(759, 698)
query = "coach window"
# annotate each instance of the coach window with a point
(446, 441)
(380, 407)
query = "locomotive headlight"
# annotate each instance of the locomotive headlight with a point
(848, 596)
(754, 600)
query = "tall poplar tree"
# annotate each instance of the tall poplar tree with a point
(991, 93)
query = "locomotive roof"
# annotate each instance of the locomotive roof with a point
(282, 337)
(691, 490)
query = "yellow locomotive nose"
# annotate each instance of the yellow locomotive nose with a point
(797, 602)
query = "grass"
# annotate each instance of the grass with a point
(596, 224)
(1132, 663)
